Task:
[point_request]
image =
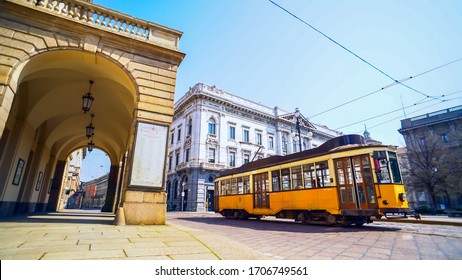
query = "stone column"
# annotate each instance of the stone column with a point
(56, 186)
(111, 189)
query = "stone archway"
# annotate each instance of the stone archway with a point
(49, 57)
(48, 107)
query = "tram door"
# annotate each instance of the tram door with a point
(355, 183)
(261, 190)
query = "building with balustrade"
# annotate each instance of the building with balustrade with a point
(213, 130)
(75, 75)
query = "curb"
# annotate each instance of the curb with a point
(422, 221)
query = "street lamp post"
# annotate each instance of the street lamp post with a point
(297, 127)
(182, 195)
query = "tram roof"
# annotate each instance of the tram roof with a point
(325, 148)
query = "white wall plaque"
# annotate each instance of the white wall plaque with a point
(148, 166)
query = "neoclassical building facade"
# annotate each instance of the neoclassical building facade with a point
(214, 130)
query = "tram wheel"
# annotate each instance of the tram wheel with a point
(330, 219)
(304, 218)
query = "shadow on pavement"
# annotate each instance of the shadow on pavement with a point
(81, 217)
(280, 225)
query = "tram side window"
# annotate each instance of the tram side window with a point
(308, 174)
(276, 179)
(240, 186)
(381, 167)
(394, 168)
(285, 174)
(323, 175)
(225, 187)
(234, 189)
(246, 184)
(297, 181)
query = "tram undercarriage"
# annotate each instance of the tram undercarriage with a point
(313, 217)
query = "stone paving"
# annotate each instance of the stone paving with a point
(90, 235)
(86, 235)
(433, 238)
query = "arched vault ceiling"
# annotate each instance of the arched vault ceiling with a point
(50, 93)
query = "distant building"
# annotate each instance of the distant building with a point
(443, 128)
(368, 139)
(214, 130)
(91, 195)
(95, 192)
(71, 178)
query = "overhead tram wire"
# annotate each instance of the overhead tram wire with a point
(384, 114)
(387, 86)
(409, 106)
(382, 123)
(351, 52)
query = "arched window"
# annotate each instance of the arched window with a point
(284, 144)
(212, 126)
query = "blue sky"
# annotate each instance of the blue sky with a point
(254, 49)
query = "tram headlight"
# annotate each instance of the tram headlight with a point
(385, 202)
(402, 197)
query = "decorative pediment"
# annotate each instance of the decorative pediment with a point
(304, 122)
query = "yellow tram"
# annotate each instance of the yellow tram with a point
(343, 181)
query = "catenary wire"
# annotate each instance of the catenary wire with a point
(386, 87)
(425, 100)
(401, 116)
(351, 52)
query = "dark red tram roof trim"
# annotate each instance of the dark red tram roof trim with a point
(351, 139)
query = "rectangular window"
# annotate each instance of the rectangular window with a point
(211, 157)
(297, 181)
(179, 135)
(177, 159)
(271, 142)
(246, 184)
(394, 168)
(381, 166)
(285, 176)
(170, 162)
(226, 187)
(246, 158)
(232, 159)
(232, 132)
(212, 127)
(259, 138)
(186, 157)
(309, 177)
(172, 138)
(240, 185)
(233, 186)
(444, 138)
(189, 126)
(323, 176)
(276, 178)
(246, 135)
